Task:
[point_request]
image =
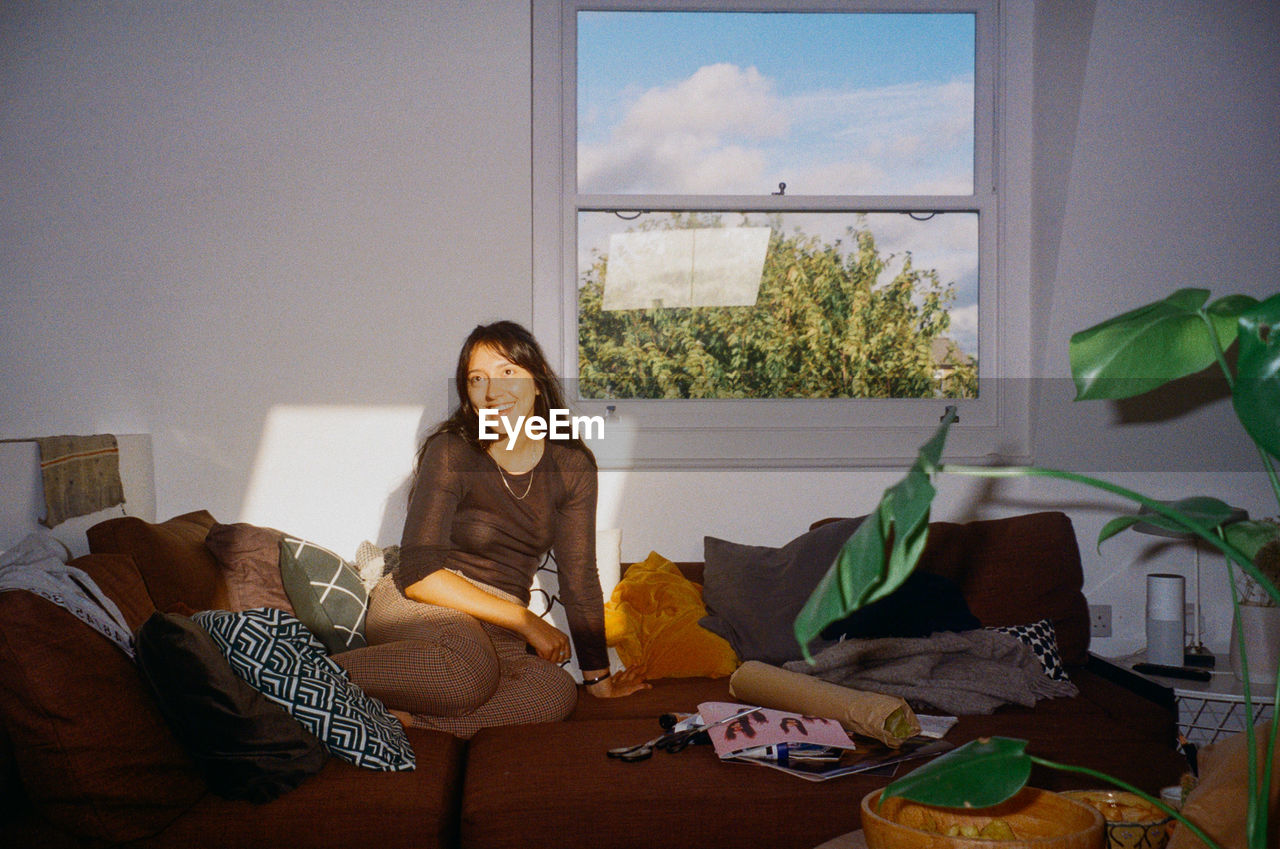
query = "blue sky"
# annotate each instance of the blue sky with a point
(734, 103)
(714, 102)
(622, 50)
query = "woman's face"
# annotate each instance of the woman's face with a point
(496, 383)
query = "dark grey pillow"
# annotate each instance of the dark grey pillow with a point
(246, 746)
(754, 592)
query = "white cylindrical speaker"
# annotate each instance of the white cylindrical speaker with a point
(1166, 603)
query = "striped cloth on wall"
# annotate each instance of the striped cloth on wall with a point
(81, 475)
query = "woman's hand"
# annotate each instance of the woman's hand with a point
(548, 641)
(624, 682)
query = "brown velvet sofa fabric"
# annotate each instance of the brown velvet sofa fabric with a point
(72, 705)
(556, 787)
(92, 749)
(175, 566)
(545, 785)
(1030, 568)
(342, 807)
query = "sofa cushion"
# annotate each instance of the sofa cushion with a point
(1017, 570)
(754, 592)
(696, 800)
(10, 780)
(93, 751)
(652, 621)
(688, 800)
(279, 656)
(326, 592)
(246, 746)
(118, 577)
(250, 561)
(342, 807)
(170, 555)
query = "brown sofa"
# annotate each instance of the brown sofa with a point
(87, 760)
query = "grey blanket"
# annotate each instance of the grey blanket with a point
(36, 565)
(958, 673)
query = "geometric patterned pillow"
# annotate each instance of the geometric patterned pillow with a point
(279, 656)
(326, 593)
(1043, 642)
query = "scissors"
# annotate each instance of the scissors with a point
(671, 741)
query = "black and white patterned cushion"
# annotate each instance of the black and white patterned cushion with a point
(1043, 642)
(279, 656)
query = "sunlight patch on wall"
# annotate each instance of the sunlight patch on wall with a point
(335, 475)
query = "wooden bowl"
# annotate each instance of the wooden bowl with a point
(1039, 820)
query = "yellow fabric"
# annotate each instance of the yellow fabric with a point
(652, 621)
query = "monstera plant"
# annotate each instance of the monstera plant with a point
(1125, 356)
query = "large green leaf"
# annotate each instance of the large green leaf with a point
(1144, 348)
(979, 774)
(882, 552)
(1257, 391)
(1225, 313)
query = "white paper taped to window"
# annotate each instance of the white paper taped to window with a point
(715, 267)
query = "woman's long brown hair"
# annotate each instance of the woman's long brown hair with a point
(518, 346)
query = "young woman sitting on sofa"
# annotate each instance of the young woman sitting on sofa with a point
(453, 644)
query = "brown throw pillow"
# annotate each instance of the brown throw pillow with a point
(170, 555)
(93, 751)
(250, 559)
(117, 576)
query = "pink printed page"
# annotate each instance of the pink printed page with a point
(767, 727)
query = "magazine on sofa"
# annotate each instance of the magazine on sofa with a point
(812, 748)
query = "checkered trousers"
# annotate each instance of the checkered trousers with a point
(452, 671)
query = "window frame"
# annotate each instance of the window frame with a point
(802, 433)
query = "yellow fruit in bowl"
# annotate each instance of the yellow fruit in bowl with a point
(1132, 822)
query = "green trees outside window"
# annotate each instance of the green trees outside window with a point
(825, 325)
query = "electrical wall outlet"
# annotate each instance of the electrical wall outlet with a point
(1100, 620)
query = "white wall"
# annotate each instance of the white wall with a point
(259, 232)
(215, 211)
(22, 500)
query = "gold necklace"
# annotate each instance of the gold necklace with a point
(502, 474)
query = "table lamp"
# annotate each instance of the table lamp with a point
(1195, 654)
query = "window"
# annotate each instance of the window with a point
(784, 237)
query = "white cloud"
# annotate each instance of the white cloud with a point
(689, 137)
(725, 130)
(716, 100)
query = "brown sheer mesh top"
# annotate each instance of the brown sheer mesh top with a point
(463, 517)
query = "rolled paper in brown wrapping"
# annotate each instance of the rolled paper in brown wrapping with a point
(888, 719)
